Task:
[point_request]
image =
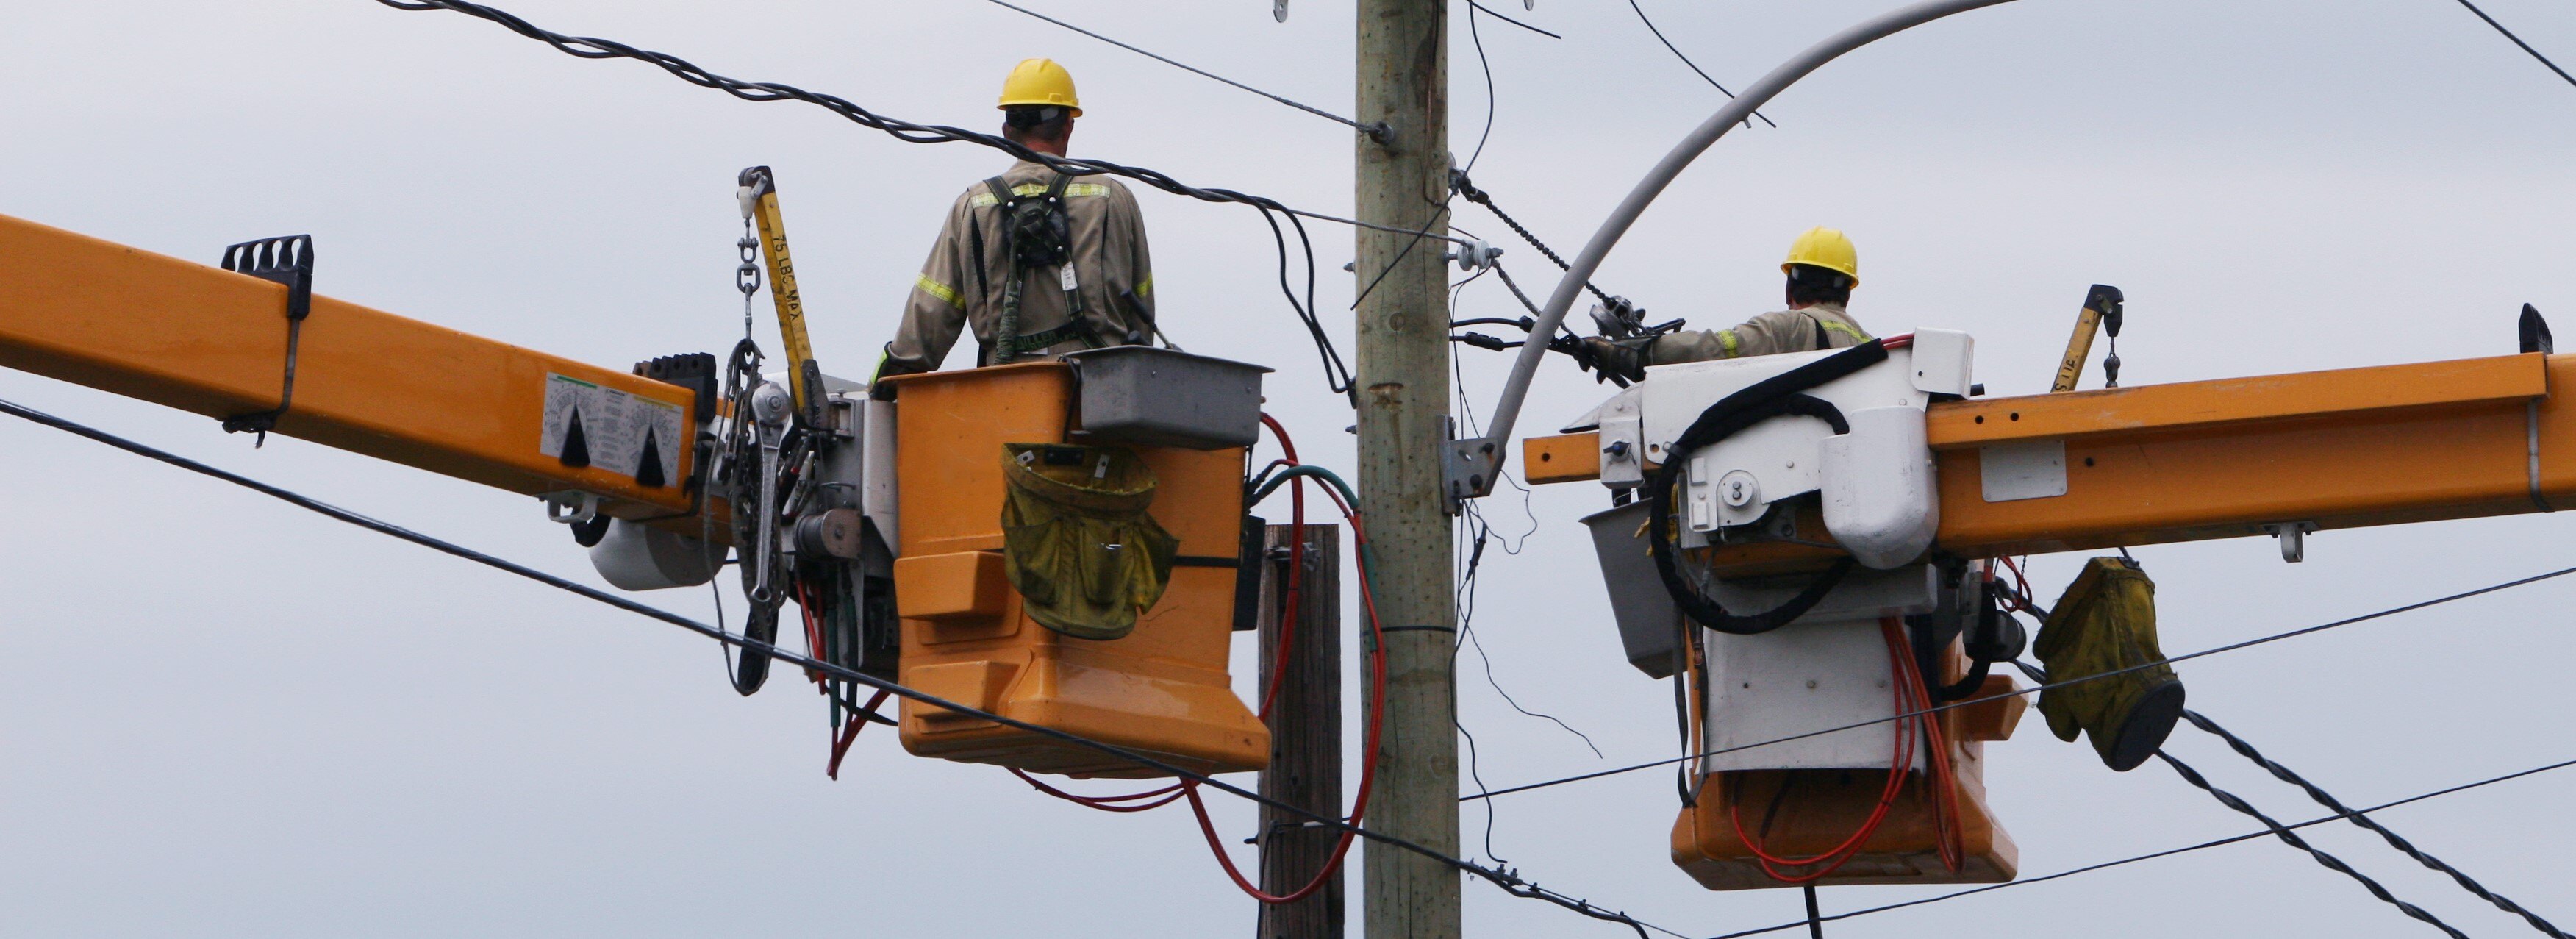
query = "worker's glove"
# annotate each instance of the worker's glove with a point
(1612, 361)
(2107, 622)
(889, 366)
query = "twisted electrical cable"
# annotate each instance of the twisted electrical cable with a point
(587, 47)
(2284, 774)
(2292, 839)
(2169, 852)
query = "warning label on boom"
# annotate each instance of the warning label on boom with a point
(587, 425)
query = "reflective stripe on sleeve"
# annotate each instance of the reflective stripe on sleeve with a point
(1857, 336)
(984, 197)
(1145, 288)
(1733, 346)
(942, 291)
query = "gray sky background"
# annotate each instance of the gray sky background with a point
(227, 717)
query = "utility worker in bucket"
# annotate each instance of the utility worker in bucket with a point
(1822, 268)
(1035, 262)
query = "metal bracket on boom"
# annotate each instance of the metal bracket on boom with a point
(2294, 539)
(287, 260)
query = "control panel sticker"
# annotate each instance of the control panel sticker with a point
(588, 425)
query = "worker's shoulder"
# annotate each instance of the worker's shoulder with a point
(1028, 179)
(1777, 319)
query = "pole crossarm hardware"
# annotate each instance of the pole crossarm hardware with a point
(206, 340)
(1470, 466)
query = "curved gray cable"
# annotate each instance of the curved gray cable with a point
(1478, 458)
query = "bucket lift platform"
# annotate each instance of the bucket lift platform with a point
(1163, 689)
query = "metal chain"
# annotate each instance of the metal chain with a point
(747, 277)
(1468, 189)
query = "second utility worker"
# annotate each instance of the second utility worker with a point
(1822, 269)
(1035, 262)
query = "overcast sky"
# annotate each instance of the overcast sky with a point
(224, 716)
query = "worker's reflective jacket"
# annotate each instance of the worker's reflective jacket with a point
(1077, 540)
(1818, 326)
(962, 284)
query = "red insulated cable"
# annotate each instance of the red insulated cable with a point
(1368, 761)
(813, 633)
(1296, 564)
(1106, 803)
(1898, 764)
(850, 732)
(1944, 775)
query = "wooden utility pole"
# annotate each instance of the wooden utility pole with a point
(1403, 365)
(1305, 733)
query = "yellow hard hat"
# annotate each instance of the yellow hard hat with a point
(1827, 248)
(1040, 81)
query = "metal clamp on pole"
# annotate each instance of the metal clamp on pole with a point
(1472, 465)
(287, 260)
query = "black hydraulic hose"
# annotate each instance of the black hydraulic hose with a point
(1967, 685)
(1777, 396)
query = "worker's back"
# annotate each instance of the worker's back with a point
(968, 278)
(1037, 262)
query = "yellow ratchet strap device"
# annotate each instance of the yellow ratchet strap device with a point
(2102, 310)
(757, 190)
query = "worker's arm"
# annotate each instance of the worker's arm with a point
(935, 312)
(1769, 333)
(1129, 266)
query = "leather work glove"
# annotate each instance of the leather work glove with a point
(2105, 622)
(1613, 361)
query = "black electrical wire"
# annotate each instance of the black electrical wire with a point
(2403, 846)
(2517, 40)
(1686, 60)
(595, 48)
(2231, 647)
(1510, 881)
(1418, 235)
(1489, 11)
(2291, 838)
(1337, 376)
(2169, 852)
(1377, 131)
(1487, 67)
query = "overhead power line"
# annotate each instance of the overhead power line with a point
(1336, 375)
(2284, 774)
(2291, 838)
(1686, 60)
(1510, 881)
(1377, 131)
(2231, 647)
(1489, 11)
(2517, 40)
(2170, 852)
